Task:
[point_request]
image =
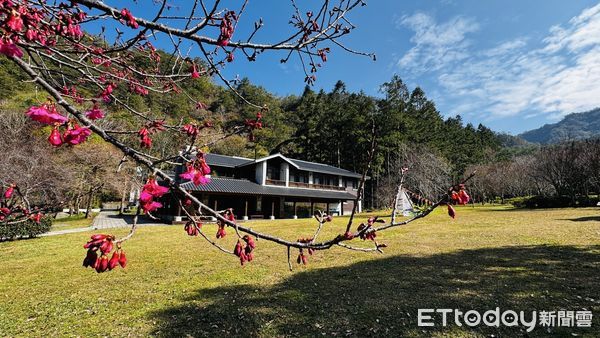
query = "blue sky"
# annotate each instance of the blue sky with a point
(511, 65)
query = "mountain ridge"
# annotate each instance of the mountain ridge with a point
(575, 126)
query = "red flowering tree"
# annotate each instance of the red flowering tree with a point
(86, 75)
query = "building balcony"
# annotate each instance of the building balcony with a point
(269, 181)
(304, 185)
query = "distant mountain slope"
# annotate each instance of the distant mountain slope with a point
(575, 126)
(510, 141)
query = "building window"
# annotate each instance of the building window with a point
(325, 179)
(299, 177)
(317, 179)
(272, 173)
(350, 182)
(204, 199)
(259, 203)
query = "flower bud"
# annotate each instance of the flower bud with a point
(122, 259)
(451, 211)
(114, 260)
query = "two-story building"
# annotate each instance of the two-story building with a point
(273, 187)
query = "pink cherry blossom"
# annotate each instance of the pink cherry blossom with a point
(155, 190)
(43, 115)
(195, 73)
(95, 113)
(151, 206)
(128, 19)
(10, 49)
(145, 196)
(189, 173)
(76, 135)
(14, 22)
(9, 192)
(55, 138)
(201, 179)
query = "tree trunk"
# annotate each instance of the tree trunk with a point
(89, 202)
(123, 197)
(77, 200)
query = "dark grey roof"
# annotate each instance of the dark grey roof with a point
(234, 161)
(226, 161)
(245, 187)
(324, 168)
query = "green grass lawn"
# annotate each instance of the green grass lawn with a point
(175, 285)
(73, 222)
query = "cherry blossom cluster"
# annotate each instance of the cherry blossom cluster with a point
(365, 231)
(194, 71)
(228, 215)
(243, 249)
(98, 248)
(226, 28)
(150, 128)
(253, 125)
(197, 170)
(10, 190)
(13, 206)
(191, 228)
(458, 195)
(56, 32)
(23, 23)
(128, 19)
(72, 133)
(323, 53)
(192, 129)
(302, 258)
(150, 192)
(4, 210)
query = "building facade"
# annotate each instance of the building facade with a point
(272, 187)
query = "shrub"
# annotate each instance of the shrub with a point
(518, 202)
(552, 202)
(27, 229)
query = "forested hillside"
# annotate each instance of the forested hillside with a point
(332, 127)
(576, 126)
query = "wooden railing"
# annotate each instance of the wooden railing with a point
(299, 185)
(275, 182)
(315, 186)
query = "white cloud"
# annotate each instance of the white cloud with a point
(448, 2)
(581, 33)
(505, 48)
(558, 77)
(436, 45)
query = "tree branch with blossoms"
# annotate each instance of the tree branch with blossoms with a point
(87, 76)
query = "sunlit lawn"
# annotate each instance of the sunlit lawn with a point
(72, 222)
(176, 285)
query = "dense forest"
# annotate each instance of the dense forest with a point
(332, 127)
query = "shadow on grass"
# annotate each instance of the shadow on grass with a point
(381, 297)
(142, 219)
(491, 208)
(584, 219)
